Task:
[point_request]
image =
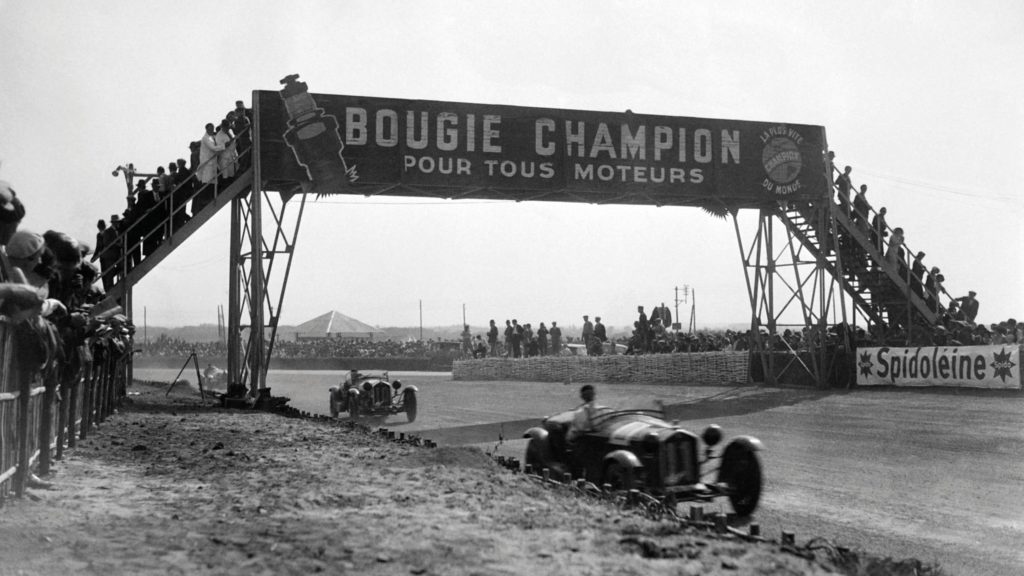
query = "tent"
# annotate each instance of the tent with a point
(335, 325)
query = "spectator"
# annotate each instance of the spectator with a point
(150, 218)
(509, 332)
(517, 339)
(107, 251)
(194, 153)
(166, 179)
(600, 336)
(492, 336)
(879, 230)
(588, 333)
(917, 271)
(479, 347)
(895, 254)
(556, 339)
(642, 331)
(466, 336)
(662, 312)
(240, 126)
(542, 339)
(228, 156)
(969, 305)
(209, 151)
(931, 292)
(861, 208)
(845, 185)
(184, 185)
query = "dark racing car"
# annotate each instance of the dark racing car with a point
(368, 395)
(639, 449)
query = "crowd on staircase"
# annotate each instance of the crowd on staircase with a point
(871, 265)
(162, 202)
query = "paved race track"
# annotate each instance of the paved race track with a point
(932, 474)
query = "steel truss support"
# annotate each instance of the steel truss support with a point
(261, 260)
(789, 288)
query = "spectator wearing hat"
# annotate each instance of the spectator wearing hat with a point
(861, 208)
(209, 151)
(184, 186)
(556, 339)
(492, 339)
(11, 212)
(542, 339)
(107, 251)
(26, 251)
(969, 305)
(931, 291)
(917, 271)
(879, 230)
(845, 185)
(600, 336)
(16, 295)
(240, 126)
(228, 155)
(588, 333)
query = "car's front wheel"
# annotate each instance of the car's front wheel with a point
(409, 403)
(741, 474)
(334, 406)
(353, 404)
(620, 476)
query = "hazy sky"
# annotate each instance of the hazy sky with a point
(923, 99)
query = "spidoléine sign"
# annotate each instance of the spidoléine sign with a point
(960, 366)
(361, 145)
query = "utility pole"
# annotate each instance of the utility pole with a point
(686, 291)
(693, 311)
(463, 313)
(145, 327)
(421, 320)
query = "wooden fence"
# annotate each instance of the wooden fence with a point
(680, 368)
(41, 415)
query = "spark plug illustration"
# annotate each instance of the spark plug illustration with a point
(314, 139)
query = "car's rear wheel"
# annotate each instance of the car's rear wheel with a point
(620, 476)
(409, 403)
(741, 473)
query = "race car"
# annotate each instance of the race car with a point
(372, 395)
(639, 449)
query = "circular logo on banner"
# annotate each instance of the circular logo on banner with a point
(781, 159)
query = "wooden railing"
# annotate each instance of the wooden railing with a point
(41, 415)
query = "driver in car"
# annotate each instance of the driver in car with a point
(583, 418)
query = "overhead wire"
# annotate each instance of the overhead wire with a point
(939, 187)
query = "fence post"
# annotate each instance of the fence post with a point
(25, 388)
(72, 402)
(87, 388)
(46, 423)
(62, 415)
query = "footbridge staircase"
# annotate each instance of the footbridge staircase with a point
(259, 262)
(832, 265)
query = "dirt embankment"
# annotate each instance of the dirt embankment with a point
(176, 486)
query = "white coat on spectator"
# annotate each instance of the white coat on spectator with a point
(228, 160)
(208, 149)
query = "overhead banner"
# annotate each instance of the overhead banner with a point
(360, 145)
(960, 366)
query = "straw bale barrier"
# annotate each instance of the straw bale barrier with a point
(681, 368)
